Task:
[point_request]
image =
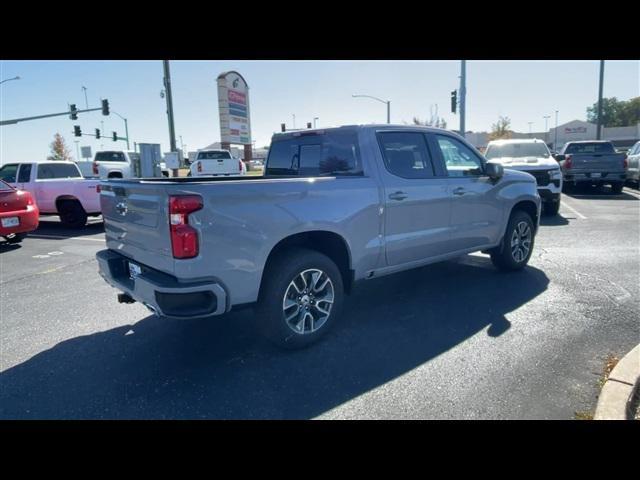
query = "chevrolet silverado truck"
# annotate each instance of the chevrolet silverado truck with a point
(593, 163)
(58, 188)
(531, 156)
(334, 207)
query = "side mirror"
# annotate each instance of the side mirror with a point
(495, 171)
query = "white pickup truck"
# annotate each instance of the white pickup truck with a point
(58, 189)
(119, 164)
(213, 163)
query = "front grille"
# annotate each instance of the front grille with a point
(542, 177)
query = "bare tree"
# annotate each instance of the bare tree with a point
(59, 149)
(500, 129)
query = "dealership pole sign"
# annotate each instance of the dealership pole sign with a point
(233, 105)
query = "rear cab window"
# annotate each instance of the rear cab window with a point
(594, 148)
(213, 156)
(110, 157)
(50, 171)
(327, 153)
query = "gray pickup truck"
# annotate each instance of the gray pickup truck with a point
(592, 163)
(334, 207)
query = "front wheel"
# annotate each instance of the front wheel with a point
(517, 244)
(617, 188)
(301, 298)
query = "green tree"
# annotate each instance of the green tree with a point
(616, 113)
(500, 129)
(59, 149)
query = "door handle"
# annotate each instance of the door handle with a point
(459, 191)
(398, 195)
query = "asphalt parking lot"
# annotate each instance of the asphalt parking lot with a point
(452, 340)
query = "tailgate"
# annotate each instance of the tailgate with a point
(136, 222)
(605, 162)
(221, 166)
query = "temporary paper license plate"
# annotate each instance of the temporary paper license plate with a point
(10, 222)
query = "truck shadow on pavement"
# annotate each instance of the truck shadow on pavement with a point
(221, 368)
(51, 226)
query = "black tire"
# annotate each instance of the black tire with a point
(17, 238)
(617, 187)
(503, 256)
(551, 208)
(278, 276)
(72, 214)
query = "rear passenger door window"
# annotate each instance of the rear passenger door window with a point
(459, 160)
(406, 154)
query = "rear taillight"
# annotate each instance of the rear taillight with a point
(29, 198)
(95, 169)
(199, 167)
(625, 162)
(240, 165)
(567, 161)
(184, 238)
(98, 189)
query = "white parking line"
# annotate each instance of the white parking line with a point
(60, 237)
(565, 204)
(631, 192)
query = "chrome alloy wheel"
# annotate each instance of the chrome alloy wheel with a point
(307, 302)
(521, 241)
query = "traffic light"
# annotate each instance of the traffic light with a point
(74, 112)
(97, 133)
(105, 107)
(454, 101)
(76, 131)
(283, 127)
(115, 137)
(308, 124)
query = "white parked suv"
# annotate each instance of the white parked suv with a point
(531, 156)
(119, 164)
(211, 163)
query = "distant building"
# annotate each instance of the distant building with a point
(621, 137)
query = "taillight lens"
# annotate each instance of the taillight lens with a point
(95, 168)
(199, 167)
(567, 161)
(98, 188)
(625, 162)
(184, 238)
(240, 165)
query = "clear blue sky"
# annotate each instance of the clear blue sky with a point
(525, 91)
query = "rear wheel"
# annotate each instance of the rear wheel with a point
(72, 214)
(617, 187)
(517, 244)
(301, 298)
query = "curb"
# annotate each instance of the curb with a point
(613, 403)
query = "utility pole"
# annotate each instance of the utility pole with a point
(294, 120)
(599, 133)
(172, 132)
(314, 121)
(463, 95)
(529, 128)
(77, 149)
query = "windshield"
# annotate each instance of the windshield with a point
(516, 150)
(213, 155)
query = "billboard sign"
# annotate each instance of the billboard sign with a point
(233, 106)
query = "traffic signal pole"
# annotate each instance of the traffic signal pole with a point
(463, 95)
(26, 119)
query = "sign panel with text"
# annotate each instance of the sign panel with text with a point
(233, 106)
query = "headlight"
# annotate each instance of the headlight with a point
(555, 173)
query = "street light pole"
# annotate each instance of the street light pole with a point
(555, 142)
(314, 121)
(126, 127)
(599, 133)
(388, 102)
(77, 149)
(546, 128)
(463, 95)
(529, 128)
(86, 101)
(172, 131)
(17, 77)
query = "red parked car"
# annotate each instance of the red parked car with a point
(19, 214)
